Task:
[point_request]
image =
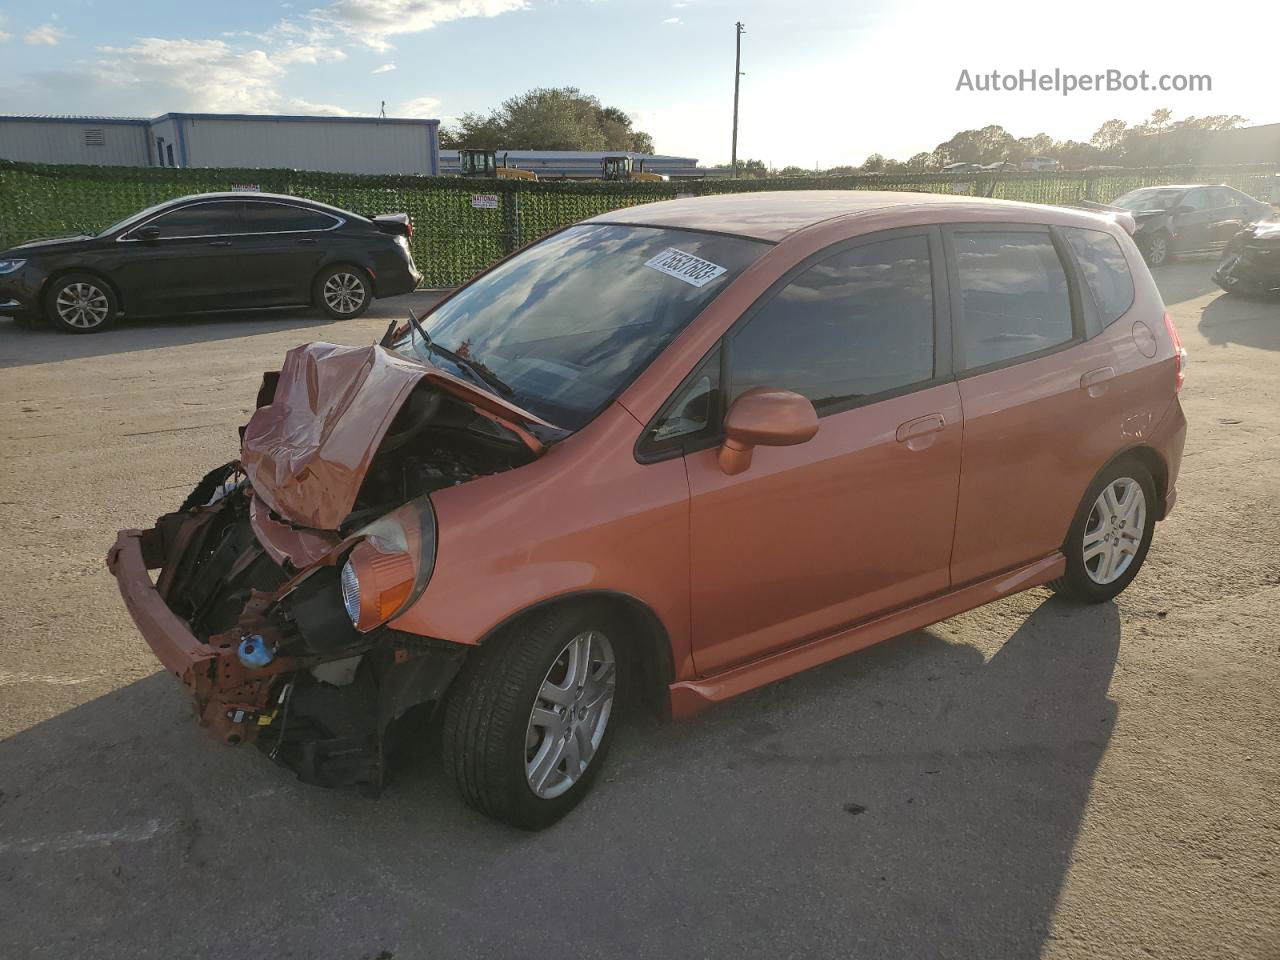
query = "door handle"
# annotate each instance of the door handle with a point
(1095, 381)
(219, 243)
(919, 433)
(306, 240)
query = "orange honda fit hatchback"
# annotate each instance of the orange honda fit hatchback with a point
(679, 450)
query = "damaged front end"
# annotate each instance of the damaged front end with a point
(281, 573)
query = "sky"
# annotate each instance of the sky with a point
(826, 82)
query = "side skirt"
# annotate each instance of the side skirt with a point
(690, 697)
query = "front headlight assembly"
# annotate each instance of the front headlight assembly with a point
(9, 266)
(389, 567)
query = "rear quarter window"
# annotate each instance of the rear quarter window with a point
(1105, 270)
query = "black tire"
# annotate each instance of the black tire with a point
(1078, 583)
(487, 716)
(350, 280)
(81, 303)
(1157, 249)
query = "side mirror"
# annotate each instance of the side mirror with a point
(148, 233)
(767, 418)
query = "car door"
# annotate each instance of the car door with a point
(285, 244)
(185, 259)
(1038, 399)
(1194, 220)
(858, 520)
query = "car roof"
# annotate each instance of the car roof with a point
(256, 195)
(774, 215)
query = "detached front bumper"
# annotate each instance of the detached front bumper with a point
(231, 699)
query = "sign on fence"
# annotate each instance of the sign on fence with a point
(485, 201)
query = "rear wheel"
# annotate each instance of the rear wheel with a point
(81, 303)
(1110, 535)
(343, 291)
(527, 726)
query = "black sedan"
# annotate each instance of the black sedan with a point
(213, 251)
(1251, 264)
(1188, 218)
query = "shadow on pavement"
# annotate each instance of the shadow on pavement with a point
(1248, 321)
(911, 801)
(24, 347)
(1187, 277)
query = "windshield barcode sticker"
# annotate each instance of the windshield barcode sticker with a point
(685, 266)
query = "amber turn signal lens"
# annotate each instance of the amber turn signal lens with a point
(384, 580)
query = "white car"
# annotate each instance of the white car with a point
(1041, 163)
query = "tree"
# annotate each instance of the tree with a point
(549, 118)
(752, 170)
(874, 163)
(1109, 137)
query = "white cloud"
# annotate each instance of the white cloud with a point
(206, 75)
(3, 36)
(46, 36)
(421, 107)
(297, 105)
(373, 21)
(673, 20)
(385, 68)
(307, 53)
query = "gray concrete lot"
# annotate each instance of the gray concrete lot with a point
(1029, 779)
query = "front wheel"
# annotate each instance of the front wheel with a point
(527, 728)
(343, 292)
(81, 303)
(1156, 249)
(1110, 535)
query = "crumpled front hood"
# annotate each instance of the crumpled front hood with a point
(307, 451)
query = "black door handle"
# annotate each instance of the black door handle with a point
(306, 239)
(219, 243)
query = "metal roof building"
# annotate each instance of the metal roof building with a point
(332, 144)
(585, 164)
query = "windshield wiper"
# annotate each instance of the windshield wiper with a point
(477, 368)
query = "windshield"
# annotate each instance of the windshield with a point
(1149, 199)
(562, 327)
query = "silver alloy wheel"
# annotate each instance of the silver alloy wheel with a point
(82, 305)
(1114, 530)
(1157, 251)
(570, 714)
(344, 292)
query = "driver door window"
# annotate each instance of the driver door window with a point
(214, 219)
(850, 328)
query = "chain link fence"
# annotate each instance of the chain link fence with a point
(461, 226)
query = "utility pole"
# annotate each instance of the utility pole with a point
(739, 30)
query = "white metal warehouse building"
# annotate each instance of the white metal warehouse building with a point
(332, 144)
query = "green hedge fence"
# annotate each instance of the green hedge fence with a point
(456, 235)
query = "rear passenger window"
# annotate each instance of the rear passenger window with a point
(852, 326)
(1105, 271)
(283, 218)
(1013, 297)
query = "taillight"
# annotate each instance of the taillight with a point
(1179, 353)
(408, 229)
